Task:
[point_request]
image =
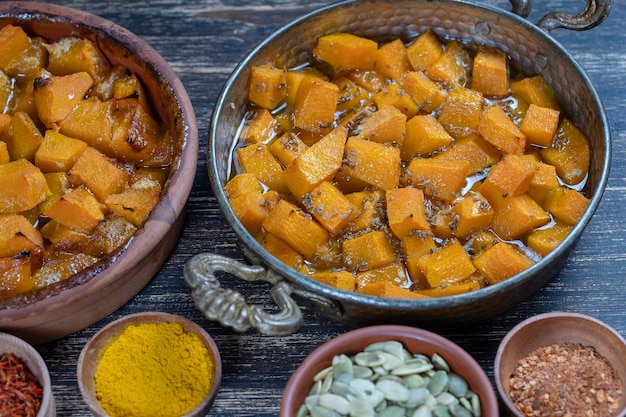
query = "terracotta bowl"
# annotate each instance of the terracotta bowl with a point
(90, 357)
(36, 364)
(557, 327)
(66, 307)
(415, 340)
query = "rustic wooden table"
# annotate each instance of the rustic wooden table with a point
(203, 40)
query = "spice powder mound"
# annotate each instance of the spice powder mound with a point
(568, 380)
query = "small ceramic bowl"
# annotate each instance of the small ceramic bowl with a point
(71, 305)
(415, 340)
(90, 356)
(557, 327)
(31, 358)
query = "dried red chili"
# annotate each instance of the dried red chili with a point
(20, 392)
(567, 380)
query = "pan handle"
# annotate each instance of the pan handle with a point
(594, 13)
(229, 307)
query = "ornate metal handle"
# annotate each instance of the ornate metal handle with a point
(594, 13)
(229, 307)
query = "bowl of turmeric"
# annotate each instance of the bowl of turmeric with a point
(148, 364)
(413, 162)
(98, 151)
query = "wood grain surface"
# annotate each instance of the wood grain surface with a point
(203, 40)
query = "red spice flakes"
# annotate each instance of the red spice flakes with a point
(565, 380)
(20, 392)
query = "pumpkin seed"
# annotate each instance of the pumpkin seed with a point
(438, 383)
(335, 403)
(359, 407)
(440, 363)
(457, 385)
(457, 410)
(393, 411)
(371, 359)
(423, 411)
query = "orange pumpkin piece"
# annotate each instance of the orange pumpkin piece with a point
(370, 211)
(544, 241)
(461, 111)
(569, 153)
(424, 134)
(287, 147)
(473, 214)
(72, 54)
(258, 160)
(480, 153)
(482, 241)
(446, 265)
(56, 96)
(439, 179)
(501, 261)
(62, 266)
(295, 77)
(424, 51)
(4, 153)
(544, 181)
(13, 43)
(15, 275)
(315, 105)
(267, 86)
(345, 51)
(242, 184)
(22, 137)
(98, 173)
(315, 164)
(452, 289)
(490, 74)
(129, 86)
(394, 273)
(513, 174)
(92, 122)
(342, 280)
(426, 93)
(535, 90)
(329, 207)
(58, 152)
(351, 95)
(453, 66)
(22, 186)
(19, 237)
(392, 61)
(136, 202)
(252, 208)
(540, 125)
(415, 246)
(370, 250)
(297, 228)
(280, 250)
(261, 128)
(6, 95)
(497, 128)
(566, 205)
(389, 290)
(372, 80)
(406, 211)
(393, 95)
(78, 209)
(386, 125)
(372, 163)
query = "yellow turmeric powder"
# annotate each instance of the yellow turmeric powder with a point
(153, 370)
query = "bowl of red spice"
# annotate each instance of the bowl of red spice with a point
(25, 380)
(149, 364)
(562, 363)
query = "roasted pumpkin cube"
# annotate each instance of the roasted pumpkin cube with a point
(513, 174)
(5, 158)
(129, 86)
(439, 179)
(497, 128)
(369, 250)
(461, 111)
(342, 280)
(287, 147)
(473, 214)
(451, 289)
(386, 125)
(351, 95)
(6, 93)
(544, 181)
(370, 209)
(258, 160)
(393, 273)
(15, 275)
(251, 208)
(56, 96)
(482, 241)
(58, 152)
(392, 61)
(72, 54)
(267, 86)
(569, 153)
(295, 77)
(78, 209)
(490, 74)
(92, 122)
(415, 246)
(566, 205)
(426, 93)
(544, 241)
(446, 265)
(241, 184)
(19, 237)
(406, 212)
(501, 261)
(535, 90)
(99, 173)
(393, 95)
(388, 290)
(315, 105)
(261, 128)
(297, 228)
(480, 153)
(424, 134)
(540, 125)
(318, 163)
(280, 250)
(14, 42)
(22, 186)
(22, 137)
(136, 202)
(329, 207)
(372, 80)
(60, 267)
(373, 163)
(424, 51)
(345, 51)
(452, 67)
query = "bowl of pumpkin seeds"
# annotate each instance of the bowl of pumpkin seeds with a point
(389, 370)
